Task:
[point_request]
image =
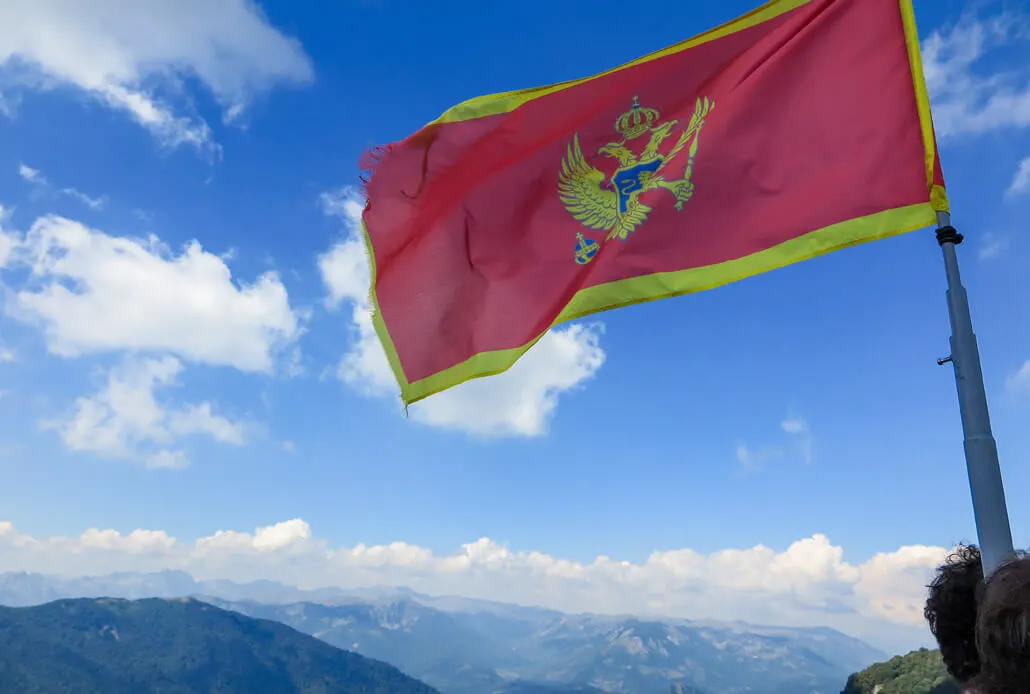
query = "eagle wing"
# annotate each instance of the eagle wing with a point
(579, 187)
(635, 215)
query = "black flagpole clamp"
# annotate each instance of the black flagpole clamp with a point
(948, 234)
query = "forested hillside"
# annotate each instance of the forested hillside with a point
(919, 672)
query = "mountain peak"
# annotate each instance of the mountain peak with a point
(469, 646)
(143, 645)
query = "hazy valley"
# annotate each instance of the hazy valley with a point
(464, 646)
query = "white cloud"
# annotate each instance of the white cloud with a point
(992, 246)
(90, 202)
(345, 204)
(1020, 380)
(808, 583)
(136, 542)
(6, 354)
(964, 99)
(743, 455)
(893, 585)
(36, 177)
(92, 293)
(798, 429)
(519, 402)
(522, 400)
(8, 105)
(135, 56)
(753, 459)
(31, 175)
(8, 240)
(167, 460)
(266, 539)
(344, 267)
(363, 366)
(794, 426)
(1021, 181)
(125, 420)
(200, 419)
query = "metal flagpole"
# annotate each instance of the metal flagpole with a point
(985, 484)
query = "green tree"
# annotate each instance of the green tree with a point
(919, 672)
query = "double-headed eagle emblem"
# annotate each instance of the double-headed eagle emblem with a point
(613, 203)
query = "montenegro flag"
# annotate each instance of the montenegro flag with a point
(798, 129)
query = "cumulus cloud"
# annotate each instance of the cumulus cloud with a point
(344, 267)
(808, 583)
(136, 57)
(519, 402)
(124, 419)
(893, 585)
(136, 542)
(966, 98)
(91, 292)
(1021, 181)
(263, 539)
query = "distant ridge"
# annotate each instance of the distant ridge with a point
(469, 646)
(182, 646)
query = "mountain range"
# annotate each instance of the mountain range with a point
(465, 646)
(109, 646)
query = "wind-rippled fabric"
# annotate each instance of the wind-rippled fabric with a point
(798, 129)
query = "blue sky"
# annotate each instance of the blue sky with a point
(184, 390)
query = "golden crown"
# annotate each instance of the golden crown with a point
(636, 121)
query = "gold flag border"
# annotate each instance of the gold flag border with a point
(663, 285)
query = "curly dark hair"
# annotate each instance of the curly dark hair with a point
(1003, 630)
(951, 611)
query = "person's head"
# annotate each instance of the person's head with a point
(1003, 630)
(951, 611)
